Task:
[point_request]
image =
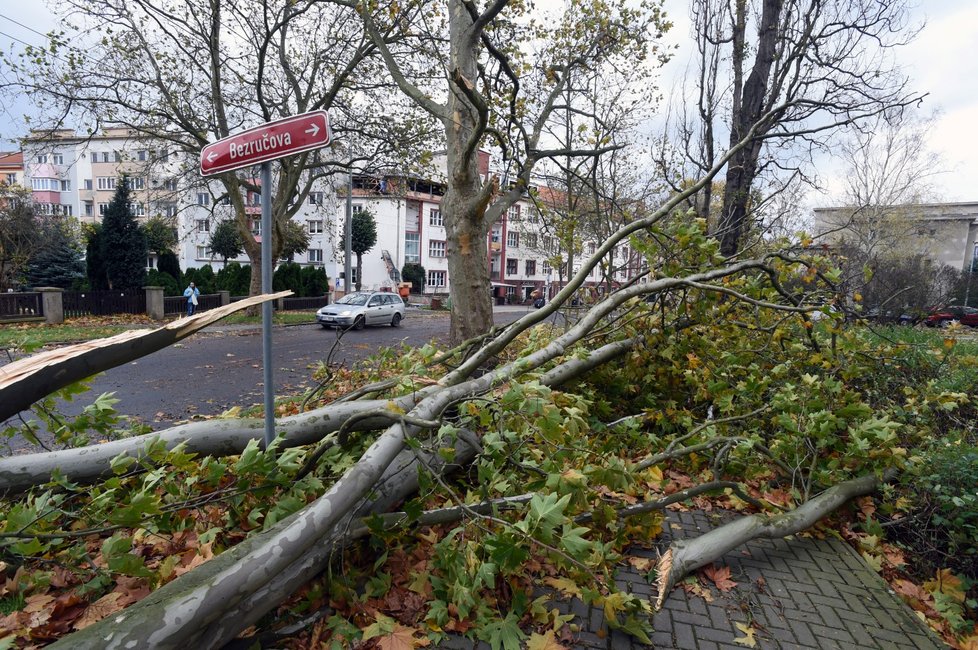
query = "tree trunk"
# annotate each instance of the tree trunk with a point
(464, 204)
(747, 111)
(359, 270)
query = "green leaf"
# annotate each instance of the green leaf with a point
(505, 634)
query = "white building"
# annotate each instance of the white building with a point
(76, 175)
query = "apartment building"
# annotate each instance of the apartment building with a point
(11, 168)
(76, 175)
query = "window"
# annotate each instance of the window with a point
(315, 228)
(513, 239)
(412, 247)
(102, 207)
(317, 198)
(531, 267)
(497, 233)
(141, 155)
(224, 200)
(138, 209)
(106, 182)
(11, 179)
(94, 156)
(116, 156)
(591, 248)
(89, 184)
(203, 253)
(545, 268)
(203, 198)
(435, 218)
(512, 267)
(58, 158)
(514, 213)
(548, 243)
(437, 278)
(357, 208)
(105, 156)
(256, 226)
(316, 255)
(89, 209)
(530, 239)
(170, 184)
(137, 183)
(253, 199)
(41, 158)
(169, 209)
(45, 184)
(203, 225)
(436, 248)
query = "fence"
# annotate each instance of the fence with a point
(103, 303)
(314, 302)
(20, 305)
(178, 304)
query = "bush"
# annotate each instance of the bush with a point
(169, 263)
(234, 278)
(315, 282)
(944, 523)
(287, 277)
(202, 277)
(157, 278)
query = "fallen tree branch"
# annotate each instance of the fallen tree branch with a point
(25, 381)
(687, 555)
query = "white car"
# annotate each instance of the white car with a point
(363, 308)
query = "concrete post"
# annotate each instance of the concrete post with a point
(154, 302)
(51, 304)
(225, 297)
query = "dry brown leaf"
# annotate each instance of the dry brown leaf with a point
(104, 606)
(402, 638)
(720, 577)
(748, 638)
(641, 563)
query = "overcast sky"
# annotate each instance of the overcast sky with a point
(943, 61)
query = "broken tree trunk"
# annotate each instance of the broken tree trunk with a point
(25, 381)
(687, 555)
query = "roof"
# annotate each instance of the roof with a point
(11, 159)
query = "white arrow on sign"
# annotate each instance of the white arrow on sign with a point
(313, 130)
(211, 156)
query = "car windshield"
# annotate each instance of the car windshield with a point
(354, 299)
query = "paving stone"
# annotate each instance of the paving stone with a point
(684, 637)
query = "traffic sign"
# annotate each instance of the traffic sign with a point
(269, 141)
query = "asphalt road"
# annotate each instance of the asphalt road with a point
(221, 368)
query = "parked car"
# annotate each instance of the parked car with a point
(947, 315)
(363, 308)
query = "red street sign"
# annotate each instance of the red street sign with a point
(269, 141)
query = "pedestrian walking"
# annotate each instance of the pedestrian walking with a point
(191, 293)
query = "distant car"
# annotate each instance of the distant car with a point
(363, 308)
(946, 315)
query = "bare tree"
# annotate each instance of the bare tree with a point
(193, 72)
(786, 73)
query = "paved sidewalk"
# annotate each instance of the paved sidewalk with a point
(798, 593)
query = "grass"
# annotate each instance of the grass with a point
(948, 355)
(30, 336)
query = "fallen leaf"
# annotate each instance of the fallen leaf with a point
(720, 577)
(948, 584)
(402, 638)
(566, 586)
(545, 641)
(748, 638)
(104, 606)
(641, 563)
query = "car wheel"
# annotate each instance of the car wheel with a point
(396, 320)
(325, 326)
(359, 323)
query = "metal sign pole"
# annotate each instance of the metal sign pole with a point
(266, 307)
(348, 236)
